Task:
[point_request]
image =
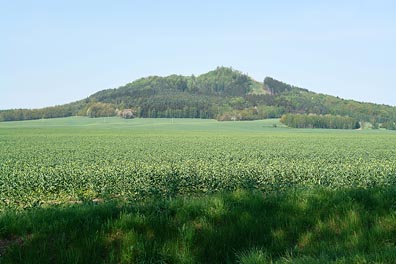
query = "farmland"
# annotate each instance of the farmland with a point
(114, 164)
(50, 164)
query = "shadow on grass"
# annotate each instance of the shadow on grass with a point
(299, 226)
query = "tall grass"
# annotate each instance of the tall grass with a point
(301, 226)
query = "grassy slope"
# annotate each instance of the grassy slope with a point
(302, 226)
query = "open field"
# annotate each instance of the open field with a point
(78, 159)
(80, 190)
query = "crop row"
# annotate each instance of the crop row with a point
(39, 169)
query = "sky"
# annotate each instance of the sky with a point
(56, 52)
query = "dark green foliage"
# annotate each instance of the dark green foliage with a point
(222, 94)
(389, 125)
(179, 96)
(223, 81)
(48, 112)
(277, 87)
(319, 121)
(299, 226)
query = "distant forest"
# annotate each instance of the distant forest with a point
(222, 94)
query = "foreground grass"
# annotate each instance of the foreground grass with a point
(302, 226)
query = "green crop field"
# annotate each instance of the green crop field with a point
(75, 159)
(109, 168)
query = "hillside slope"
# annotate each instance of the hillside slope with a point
(224, 94)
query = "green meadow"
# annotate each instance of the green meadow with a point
(111, 190)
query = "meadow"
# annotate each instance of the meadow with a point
(110, 190)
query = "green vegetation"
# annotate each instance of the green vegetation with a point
(98, 160)
(389, 125)
(47, 112)
(301, 226)
(222, 94)
(319, 121)
(99, 109)
(113, 190)
(278, 87)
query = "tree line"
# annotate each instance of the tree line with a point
(222, 94)
(319, 121)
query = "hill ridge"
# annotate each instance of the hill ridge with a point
(223, 94)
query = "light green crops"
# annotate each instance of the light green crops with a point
(74, 159)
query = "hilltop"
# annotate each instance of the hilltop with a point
(222, 94)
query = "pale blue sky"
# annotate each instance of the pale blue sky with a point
(55, 52)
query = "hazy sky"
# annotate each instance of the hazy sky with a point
(55, 52)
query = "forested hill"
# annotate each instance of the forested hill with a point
(223, 94)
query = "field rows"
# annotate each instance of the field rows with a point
(38, 168)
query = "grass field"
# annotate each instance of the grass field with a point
(145, 124)
(80, 190)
